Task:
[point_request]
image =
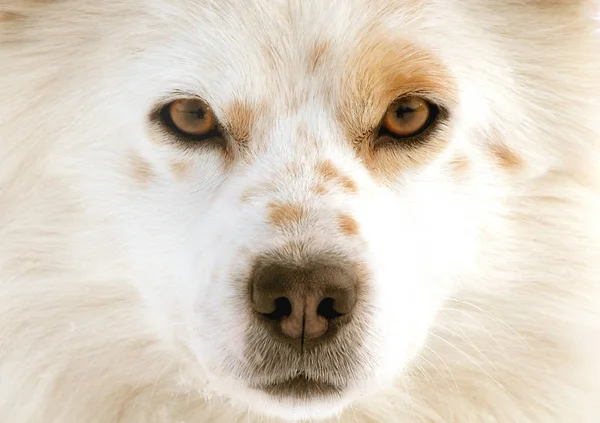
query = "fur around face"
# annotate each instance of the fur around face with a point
(124, 251)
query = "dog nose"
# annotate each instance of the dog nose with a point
(304, 305)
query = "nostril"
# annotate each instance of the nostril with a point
(303, 305)
(283, 308)
(326, 309)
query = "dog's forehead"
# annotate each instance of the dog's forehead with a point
(300, 21)
(265, 43)
(344, 55)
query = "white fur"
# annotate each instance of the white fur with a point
(120, 301)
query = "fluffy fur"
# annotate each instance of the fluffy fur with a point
(123, 253)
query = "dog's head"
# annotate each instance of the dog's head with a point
(297, 186)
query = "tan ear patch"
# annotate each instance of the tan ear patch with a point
(282, 215)
(348, 225)
(332, 174)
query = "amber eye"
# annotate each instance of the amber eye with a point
(408, 117)
(190, 117)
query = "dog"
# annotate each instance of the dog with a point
(299, 210)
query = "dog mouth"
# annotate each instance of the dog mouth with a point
(300, 387)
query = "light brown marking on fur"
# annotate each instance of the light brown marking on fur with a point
(319, 189)
(249, 195)
(328, 171)
(317, 55)
(305, 137)
(281, 215)
(141, 170)
(302, 131)
(239, 118)
(459, 165)
(348, 225)
(256, 191)
(8, 16)
(381, 70)
(292, 103)
(388, 160)
(348, 184)
(293, 169)
(229, 155)
(180, 169)
(332, 174)
(270, 56)
(294, 99)
(508, 159)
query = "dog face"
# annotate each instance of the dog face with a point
(293, 188)
(318, 228)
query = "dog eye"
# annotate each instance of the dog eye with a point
(408, 117)
(190, 117)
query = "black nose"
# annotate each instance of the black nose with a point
(304, 305)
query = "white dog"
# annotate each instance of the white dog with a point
(267, 210)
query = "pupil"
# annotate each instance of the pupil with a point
(402, 111)
(199, 113)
